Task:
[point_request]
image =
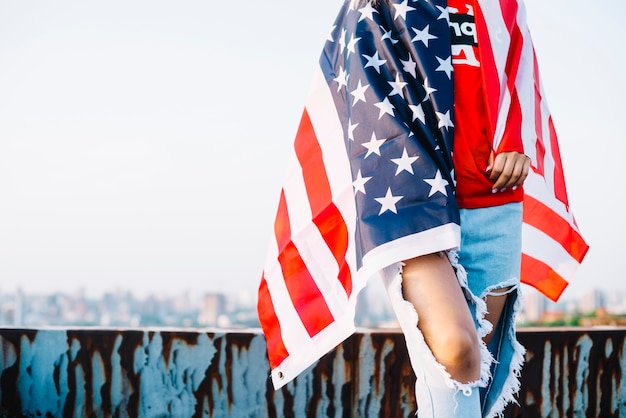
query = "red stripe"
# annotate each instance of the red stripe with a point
(540, 148)
(276, 350)
(559, 178)
(514, 56)
(491, 80)
(543, 278)
(326, 216)
(546, 220)
(511, 139)
(306, 297)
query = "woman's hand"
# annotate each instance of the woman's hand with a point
(507, 169)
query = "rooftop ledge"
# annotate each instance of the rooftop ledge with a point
(166, 372)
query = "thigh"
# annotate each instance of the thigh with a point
(430, 284)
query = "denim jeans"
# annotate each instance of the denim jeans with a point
(488, 260)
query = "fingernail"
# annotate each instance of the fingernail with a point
(514, 187)
(494, 191)
(488, 168)
(503, 189)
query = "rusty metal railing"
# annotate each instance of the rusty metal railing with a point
(198, 373)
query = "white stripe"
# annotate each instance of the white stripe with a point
(525, 88)
(540, 246)
(330, 135)
(535, 187)
(548, 160)
(498, 35)
(444, 237)
(314, 251)
(500, 40)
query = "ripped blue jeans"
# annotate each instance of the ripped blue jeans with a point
(488, 259)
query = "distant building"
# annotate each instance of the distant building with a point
(534, 306)
(211, 308)
(591, 301)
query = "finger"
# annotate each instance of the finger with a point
(514, 172)
(490, 161)
(497, 164)
(506, 176)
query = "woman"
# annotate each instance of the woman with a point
(405, 137)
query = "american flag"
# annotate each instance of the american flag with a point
(371, 180)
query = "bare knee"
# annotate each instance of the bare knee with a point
(458, 351)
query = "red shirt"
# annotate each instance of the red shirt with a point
(472, 145)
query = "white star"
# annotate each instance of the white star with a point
(373, 147)
(385, 107)
(388, 202)
(374, 61)
(423, 35)
(429, 90)
(330, 34)
(444, 120)
(445, 13)
(342, 78)
(402, 9)
(351, 128)
(438, 184)
(342, 39)
(445, 65)
(387, 35)
(367, 12)
(351, 44)
(359, 93)
(404, 163)
(418, 113)
(409, 66)
(396, 86)
(359, 183)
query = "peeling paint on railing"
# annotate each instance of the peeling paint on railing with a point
(190, 373)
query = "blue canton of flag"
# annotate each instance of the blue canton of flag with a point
(370, 182)
(389, 70)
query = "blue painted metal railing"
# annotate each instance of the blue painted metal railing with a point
(203, 373)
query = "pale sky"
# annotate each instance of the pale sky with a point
(143, 143)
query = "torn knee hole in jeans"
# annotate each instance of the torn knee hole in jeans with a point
(501, 290)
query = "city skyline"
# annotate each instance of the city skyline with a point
(143, 145)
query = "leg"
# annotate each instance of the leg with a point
(495, 301)
(430, 284)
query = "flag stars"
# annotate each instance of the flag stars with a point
(341, 79)
(402, 9)
(351, 128)
(437, 184)
(445, 13)
(445, 65)
(373, 147)
(374, 61)
(367, 12)
(418, 113)
(445, 121)
(385, 107)
(388, 202)
(409, 66)
(342, 38)
(330, 37)
(423, 35)
(397, 86)
(404, 163)
(387, 35)
(351, 45)
(359, 183)
(428, 89)
(359, 93)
